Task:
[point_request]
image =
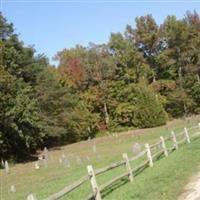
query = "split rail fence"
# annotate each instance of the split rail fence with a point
(176, 139)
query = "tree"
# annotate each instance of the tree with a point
(178, 103)
(195, 92)
(86, 71)
(131, 65)
(20, 127)
(140, 107)
(21, 131)
(146, 36)
(65, 116)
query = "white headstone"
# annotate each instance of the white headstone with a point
(7, 169)
(94, 148)
(136, 148)
(37, 165)
(46, 153)
(31, 197)
(12, 188)
(40, 157)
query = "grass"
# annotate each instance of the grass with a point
(164, 181)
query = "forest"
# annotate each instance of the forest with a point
(140, 78)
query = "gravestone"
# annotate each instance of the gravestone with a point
(42, 162)
(66, 162)
(46, 154)
(37, 165)
(136, 149)
(7, 169)
(31, 197)
(94, 148)
(12, 188)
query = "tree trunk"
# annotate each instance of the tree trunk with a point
(198, 79)
(154, 78)
(106, 114)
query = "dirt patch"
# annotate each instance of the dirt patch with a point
(192, 189)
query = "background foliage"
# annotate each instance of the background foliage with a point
(138, 79)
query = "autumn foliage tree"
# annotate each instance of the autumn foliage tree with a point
(140, 78)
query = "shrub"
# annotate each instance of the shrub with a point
(141, 107)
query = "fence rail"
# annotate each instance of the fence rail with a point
(130, 173)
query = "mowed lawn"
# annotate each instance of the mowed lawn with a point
(163, 181)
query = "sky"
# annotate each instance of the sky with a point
(52, 25)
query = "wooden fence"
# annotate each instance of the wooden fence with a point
(176, 139)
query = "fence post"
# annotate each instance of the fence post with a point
(163, 145)
(186, 135)
(93, 181)
(174, 140)
(128, 166)
(149, 155)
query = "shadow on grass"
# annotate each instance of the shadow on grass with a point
(120, 183)
(114, 186)
(125, 180)
(140, 170)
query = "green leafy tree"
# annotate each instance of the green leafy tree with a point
(140, 107)
(131, 65)
(65, 116)
(21, 131)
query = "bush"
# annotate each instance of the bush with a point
(141, 108)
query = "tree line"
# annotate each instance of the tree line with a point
(140, 78)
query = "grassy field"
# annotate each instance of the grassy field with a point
(164, 181)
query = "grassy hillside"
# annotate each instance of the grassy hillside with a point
(164, 181)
